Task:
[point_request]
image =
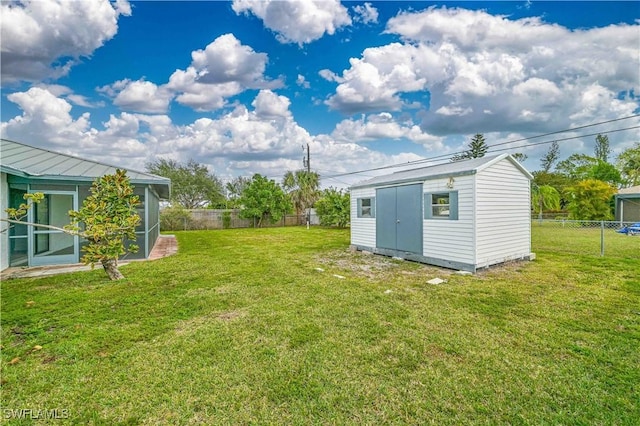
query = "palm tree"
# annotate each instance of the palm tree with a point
(544, 197)
(303, 187)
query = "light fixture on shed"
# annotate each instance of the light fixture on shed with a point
(450, 183)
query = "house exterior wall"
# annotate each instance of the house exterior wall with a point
(148, 231)
(153, 219)
(4, 236)
(503, 214)
(451, 240)
(363, 230)
(628, 208)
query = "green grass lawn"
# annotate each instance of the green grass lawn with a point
(240, 327)
(570, 237)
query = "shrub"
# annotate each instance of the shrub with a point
(175, 218)
(334, 208)
(590, 200)
(226, 220)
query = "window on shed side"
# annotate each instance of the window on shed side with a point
(441, 205)
(366, 207)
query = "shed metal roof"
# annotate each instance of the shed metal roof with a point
(40, 164)
(457, 168)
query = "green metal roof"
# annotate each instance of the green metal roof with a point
(40, 164)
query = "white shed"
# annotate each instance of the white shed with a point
(464, 215)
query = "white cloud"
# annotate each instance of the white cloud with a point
(297, 21)
(47, 122)
(65, 92)
(332, 157)
(139, 96)
(269, 105)
(45, 118)
(367, 14)
(227, 60)
(302, 82)
(330, 75)
(500, 74)
(264, 140)
(126, 125)
(594, 99)
(538, 88)
(200, 96)
(223, 69)
(33, 40)
(383, 126)
(473, 30)
(375, 81)
(83, 101)
(454, 110)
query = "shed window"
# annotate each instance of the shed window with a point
(366, 207)
(441, 205)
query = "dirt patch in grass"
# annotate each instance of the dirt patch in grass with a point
(228, 316)
(376, 267)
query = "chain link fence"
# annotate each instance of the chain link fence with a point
(200, 219)
(597, 238)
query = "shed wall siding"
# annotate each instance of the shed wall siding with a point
(363, 230)
(4, 236)
(503, 214)
(451, 239)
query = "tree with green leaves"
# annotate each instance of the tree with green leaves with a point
(549, 159)
(590, 200)
(629, 165)
(544, 197)
(477, 148)
(263, 199)
(557, 180)
(235, 188)
(107, 220)
(520, 157)
(303, 187)
(334, 208)
(192, 185)
(577, 166)
(580, 167)
(605, 172)
(602, 149)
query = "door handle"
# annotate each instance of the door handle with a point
(398, 221)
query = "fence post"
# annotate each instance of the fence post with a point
(602, 238)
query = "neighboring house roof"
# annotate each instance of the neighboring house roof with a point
(452, 169)
(40, 164)
(632, 190)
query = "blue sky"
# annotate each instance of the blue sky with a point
(242, 85)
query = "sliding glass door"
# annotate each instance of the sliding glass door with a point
(51, 246)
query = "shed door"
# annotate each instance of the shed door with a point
(399, 218)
